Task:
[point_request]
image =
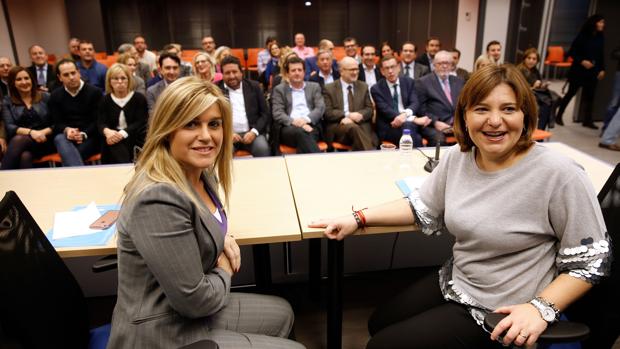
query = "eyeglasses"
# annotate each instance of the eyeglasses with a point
(351, 69)
(350, 46)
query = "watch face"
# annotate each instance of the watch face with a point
(548, 314)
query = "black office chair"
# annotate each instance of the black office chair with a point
(598, 312)
(41, 303)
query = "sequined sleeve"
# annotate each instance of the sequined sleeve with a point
(589, 261)
(431, 223)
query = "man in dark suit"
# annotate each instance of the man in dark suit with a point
(438, 92)
(5, 68)
(433, 45)
(348, 109)
(250, 113)
(368, 70)
(298, 108)
(397, 106)
(43, 73)
(312, 62)
(169, 69)
(326, 73)
(408, 66)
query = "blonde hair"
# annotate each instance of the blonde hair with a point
(482, 61)
(181, 102)
(209, 60)
(115, 69)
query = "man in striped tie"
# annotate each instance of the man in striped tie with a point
(43, 73)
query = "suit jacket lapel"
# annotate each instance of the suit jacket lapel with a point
(453, 92)
(439, 89)
(289, 99)
(338, 91)
(308, 94)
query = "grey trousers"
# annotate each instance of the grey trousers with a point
(253, 321)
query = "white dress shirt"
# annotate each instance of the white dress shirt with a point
(408, 112)
(345, 96)
(369, 74)
(299, 108)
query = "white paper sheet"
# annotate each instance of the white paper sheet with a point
(75, 223)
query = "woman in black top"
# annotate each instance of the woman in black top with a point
(588, 67)
(28, 122)
(546, 99)
(122, 117)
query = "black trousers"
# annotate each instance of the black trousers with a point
(574, 84)
(297, 137)
(421, 318)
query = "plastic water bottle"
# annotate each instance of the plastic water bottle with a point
(405, 148)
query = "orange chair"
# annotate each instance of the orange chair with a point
(252, 62)
(341, 147)
(242, 154)
(541, 135)
(51, 59)
(238, 52)
(338, 53)
(285, 149)
(100, 56)
(54, 159)
(555, 59)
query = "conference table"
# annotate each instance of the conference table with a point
(328, 185)
(273, 200)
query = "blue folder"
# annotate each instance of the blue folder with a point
(99, 238)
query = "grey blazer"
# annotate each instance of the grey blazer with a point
(139, 85)
(334, 106)
(152, 93)
(282, 103)
(419, 70)
(167, 280)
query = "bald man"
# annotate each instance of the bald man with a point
(43, 73)
(348, 109)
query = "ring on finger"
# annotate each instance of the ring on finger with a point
(523, 334)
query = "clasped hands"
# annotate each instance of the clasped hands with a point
(112, 136)
(400, 119)
(352, 117)
(74, 134)
(299, 122)
(230, 258)
(247, 138)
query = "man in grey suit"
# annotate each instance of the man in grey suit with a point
(348, 109)
(142, 69)
(169, 69)
(439, 91)
(297, 108)
(408, 66)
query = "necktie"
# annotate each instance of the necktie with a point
(350, 97)
(407, 68)
(395, 98)
(40, 77)
(446, 89)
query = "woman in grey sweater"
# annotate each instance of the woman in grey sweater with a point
(530, 236)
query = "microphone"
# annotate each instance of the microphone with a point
(432, 163)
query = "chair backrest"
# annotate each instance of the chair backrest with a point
(600, 308)
(253, 57)
(238, 52)
(41, 303)
(555, 54)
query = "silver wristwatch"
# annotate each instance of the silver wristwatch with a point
(547, 310)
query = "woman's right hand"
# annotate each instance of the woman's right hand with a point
(587, 64)
(336, 228)
(224, 263)
(38, 136)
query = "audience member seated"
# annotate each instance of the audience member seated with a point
(122, 117)
(208, 46)
(44, 73)
(438, 93)
(546, 99)
(272, 67)
(74, 49)
(300, 48)
(530, 235)
(408, 66)
(74, 110)
(27, 121)
(368, 70)
(145, 56)
(482, 61)
(494, 52)
(220, 53)
(141, 70)
(264, 56)
(249, 110)
(175, 255)
(348, 109)
(297, 108)
(386, 50)
(311, 62)
(433, 45)
(129, 60)
(350, 49)
(204, 66)
(285, 53)
(325, 73)
(91, 71)
(5, 68)
(397, 105)
(185, 69)
(169, 70)
(456, 70)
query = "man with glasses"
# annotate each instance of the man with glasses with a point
(439, 91)
(348, 109)
(397, 105)
(208, 45)
(350, 49)
(368, 70)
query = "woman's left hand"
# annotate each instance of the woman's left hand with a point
(232, 251)
(522, 326)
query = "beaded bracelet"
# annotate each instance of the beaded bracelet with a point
(360, 218)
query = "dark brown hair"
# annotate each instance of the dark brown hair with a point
(15, 96)
(480, 85)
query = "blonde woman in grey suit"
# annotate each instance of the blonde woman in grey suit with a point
(175, 259)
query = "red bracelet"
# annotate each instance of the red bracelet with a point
(360, 218)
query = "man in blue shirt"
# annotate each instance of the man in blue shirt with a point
(92, 71)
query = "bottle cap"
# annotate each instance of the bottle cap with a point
(406, 131)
